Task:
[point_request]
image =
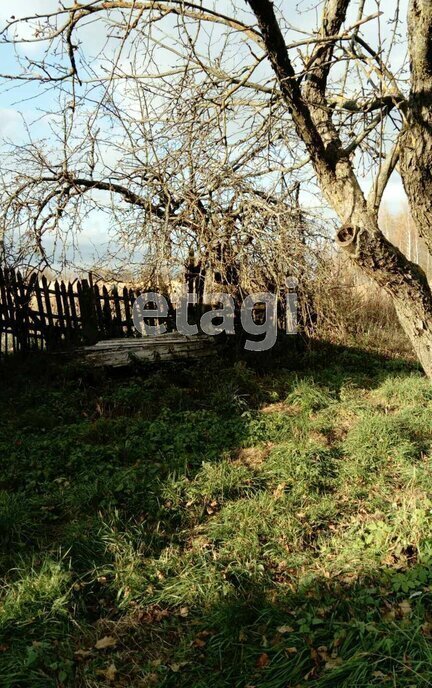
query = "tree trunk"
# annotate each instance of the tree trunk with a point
(416, 140)
(406, 283)
(379, 259)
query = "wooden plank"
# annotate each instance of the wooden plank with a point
(167, 338)
(11, 299)
(72, 304)
(132, 298)
(3, 317)
(47, 305)
(126, 357)
(66, 311)
(128, 312)
(50, 332)
(41, 312)
(23, 306)
(4, 310)
(88, 312)
(36, 338)
(117, 320)
(59, 304)
(107, 315)
(99, 311)
(116, 353)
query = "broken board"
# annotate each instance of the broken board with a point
(165, 347)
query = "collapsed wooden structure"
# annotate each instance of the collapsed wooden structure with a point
(116, 353)
(86, 317)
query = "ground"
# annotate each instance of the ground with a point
(217, 525)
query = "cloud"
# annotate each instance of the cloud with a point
(11, 125)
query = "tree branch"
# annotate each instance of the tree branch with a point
(333, 17)
(278, 55)
(382, 179)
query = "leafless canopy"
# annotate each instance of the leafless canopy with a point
(175, 130)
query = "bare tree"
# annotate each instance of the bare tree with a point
(171, 172)
(330, 105)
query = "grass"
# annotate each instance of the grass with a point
(216, 525)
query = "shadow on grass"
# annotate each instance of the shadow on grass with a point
(98, 476)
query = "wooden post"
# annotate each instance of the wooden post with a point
(88, 313)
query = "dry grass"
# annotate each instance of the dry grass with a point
(352, 310)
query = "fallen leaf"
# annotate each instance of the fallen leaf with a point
(322, 651)
(426, 628)
(109, 674)
(177, 667)
(285, 629)
(310, 674)
(199, 642)
(262, 660)
(160, 614)
(205, 633)
(405, 608)
(279, 491)
(390, 615)
(105, 642)
(82, 653)
(210, 508)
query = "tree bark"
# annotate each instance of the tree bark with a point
(416, 140)
(406, 283)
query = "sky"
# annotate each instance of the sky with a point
(28, 102)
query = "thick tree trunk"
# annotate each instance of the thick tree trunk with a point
(383, 262)
(416, 172)
(416, 140)
(360, 235)
(404, 281)
(416, 167)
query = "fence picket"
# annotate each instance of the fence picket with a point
(61, 319)
(127, 309)
(66, 310)
(99, 312)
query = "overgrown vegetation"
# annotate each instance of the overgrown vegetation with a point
(217, 525)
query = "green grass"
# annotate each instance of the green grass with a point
(216, 525)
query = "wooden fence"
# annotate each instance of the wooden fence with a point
(36, 314)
